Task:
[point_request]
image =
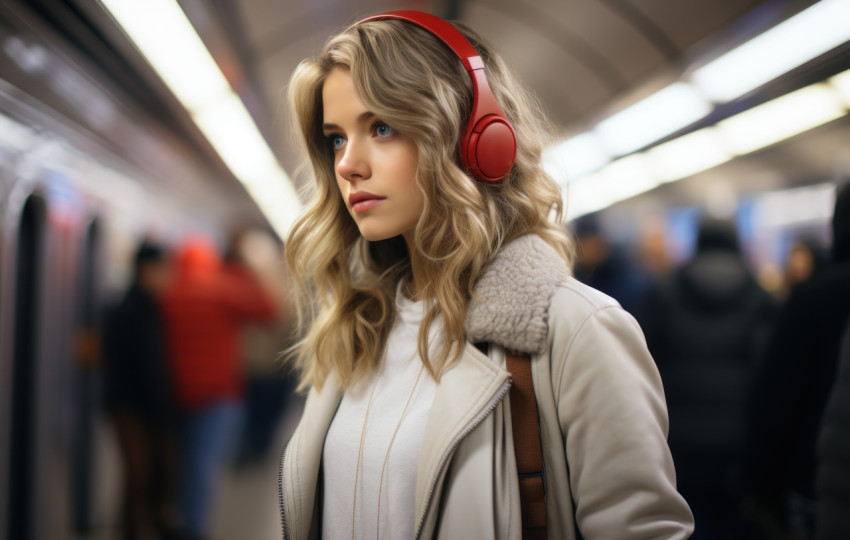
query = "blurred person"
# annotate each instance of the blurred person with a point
(653, 255)
(268, 384)
(832, 486)
(205, 308)
(791, 389)
(705, 326)
(138, 398)
(604, 267)
(419, 273)
(805, 257)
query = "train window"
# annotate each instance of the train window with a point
(22, 436)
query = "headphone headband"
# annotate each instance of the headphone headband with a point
(488, 145)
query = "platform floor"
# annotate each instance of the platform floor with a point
(245, 506)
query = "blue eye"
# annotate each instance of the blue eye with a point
(383, 130)
(336, 141)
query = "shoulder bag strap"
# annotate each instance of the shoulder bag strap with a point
(529, 454)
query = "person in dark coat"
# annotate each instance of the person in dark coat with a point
(605, 267)
(832, 484)
(791, 390)
(138, 399)
(704, 326)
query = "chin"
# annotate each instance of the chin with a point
(375, 230)
(376, 236)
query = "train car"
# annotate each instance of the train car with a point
(85, 174)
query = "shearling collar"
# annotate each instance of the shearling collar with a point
(510, 301)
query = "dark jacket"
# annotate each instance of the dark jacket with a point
(833, 475)
(704, 326)
(136, 371)
(798, 372)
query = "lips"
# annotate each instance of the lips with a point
(361, 201)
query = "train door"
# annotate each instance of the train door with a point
(21, 437)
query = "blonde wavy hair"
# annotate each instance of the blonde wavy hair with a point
(346, 286)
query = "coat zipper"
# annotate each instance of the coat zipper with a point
(280, 495)
(500, 395)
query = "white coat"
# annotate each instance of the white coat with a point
(603, 419)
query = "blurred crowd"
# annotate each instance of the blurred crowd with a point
(191, 381)
(756, 372)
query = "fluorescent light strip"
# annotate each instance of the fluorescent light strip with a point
(160, 29)
(805, 36)
(841, 83)
(688, 155)
(622, 179)
(584, 196)
(640, 176)
(574, 157)
(781, 118)
(166, 38)
(652, 118)
(801, 38)
(15, 135)
(746, 132)
(228, 126)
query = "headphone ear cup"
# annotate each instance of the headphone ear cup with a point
(488, 145)
(489, 150)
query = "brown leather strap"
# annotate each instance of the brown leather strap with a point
(529, 457)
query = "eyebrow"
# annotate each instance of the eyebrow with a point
(366, 116)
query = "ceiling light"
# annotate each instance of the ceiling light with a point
(628, 177)
(229, 128)
(160, 29)
(574, 157)
(781, 118)
(15, 135)
(841, 83)
(166, 38)
(269, 195)
(688, 155)
(584, 197)
(801, 38)
(652, 118)
(618, 181)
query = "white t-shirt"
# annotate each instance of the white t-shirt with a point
(393, 385)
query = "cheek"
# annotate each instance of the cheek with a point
(408, 164)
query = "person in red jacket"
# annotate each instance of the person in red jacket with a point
(204, 309)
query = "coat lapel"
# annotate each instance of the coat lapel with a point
(466, 394)
(303, 457)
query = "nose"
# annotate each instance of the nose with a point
(353, 164)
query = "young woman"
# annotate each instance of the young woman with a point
(420, 268)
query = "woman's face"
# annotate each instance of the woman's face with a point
(375, 166)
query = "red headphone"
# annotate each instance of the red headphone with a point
(488, 146)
